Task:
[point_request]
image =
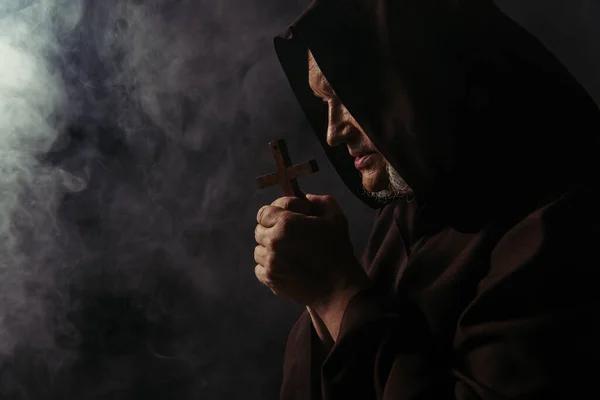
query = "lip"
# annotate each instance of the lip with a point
(362, 160)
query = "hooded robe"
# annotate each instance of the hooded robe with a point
(483, 286)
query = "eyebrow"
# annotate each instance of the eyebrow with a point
(313, 69)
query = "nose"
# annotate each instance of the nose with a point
(337, 121)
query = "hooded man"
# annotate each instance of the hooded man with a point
(480, 151)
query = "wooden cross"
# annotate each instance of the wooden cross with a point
(286, 174)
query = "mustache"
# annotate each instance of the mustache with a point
(357, 149)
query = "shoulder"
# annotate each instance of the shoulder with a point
(533, 316)
(560, 235)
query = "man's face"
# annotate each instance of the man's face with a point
(342, 128)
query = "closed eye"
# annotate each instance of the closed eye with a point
(322, 98)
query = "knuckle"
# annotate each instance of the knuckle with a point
(258, 272)
(271, 260)
(256, 253)
(259, 214)
(283, 202)
(290, 203)
(269, 274)
(287, 223)
(273, 242)
(286, 229)
(272, 277)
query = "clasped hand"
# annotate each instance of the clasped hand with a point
(304, 251)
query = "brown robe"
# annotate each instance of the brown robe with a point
(508, 312)
(483, 287)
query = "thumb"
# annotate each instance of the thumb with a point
(294, 204)
(324, 205)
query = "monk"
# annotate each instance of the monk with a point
(479, 151)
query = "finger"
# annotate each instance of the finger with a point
(261, 235)
(261, 275)
(261, 255)
(269, 215)
(298, 205)
(324, 205)
(269, 237)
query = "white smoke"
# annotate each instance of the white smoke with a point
(32, 104)
(170, 89)
(171, 52)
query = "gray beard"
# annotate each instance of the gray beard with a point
(398, 188)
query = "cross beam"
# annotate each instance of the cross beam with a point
(286, 173)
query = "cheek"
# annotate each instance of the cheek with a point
(380, 164)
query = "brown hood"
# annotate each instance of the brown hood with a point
(469, 108)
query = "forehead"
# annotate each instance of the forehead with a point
(316, 79)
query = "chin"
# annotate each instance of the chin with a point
(375, 184)
(385, 185)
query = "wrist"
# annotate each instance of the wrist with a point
(332, 308)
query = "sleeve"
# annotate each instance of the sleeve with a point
(304, 356)
(531, 331)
